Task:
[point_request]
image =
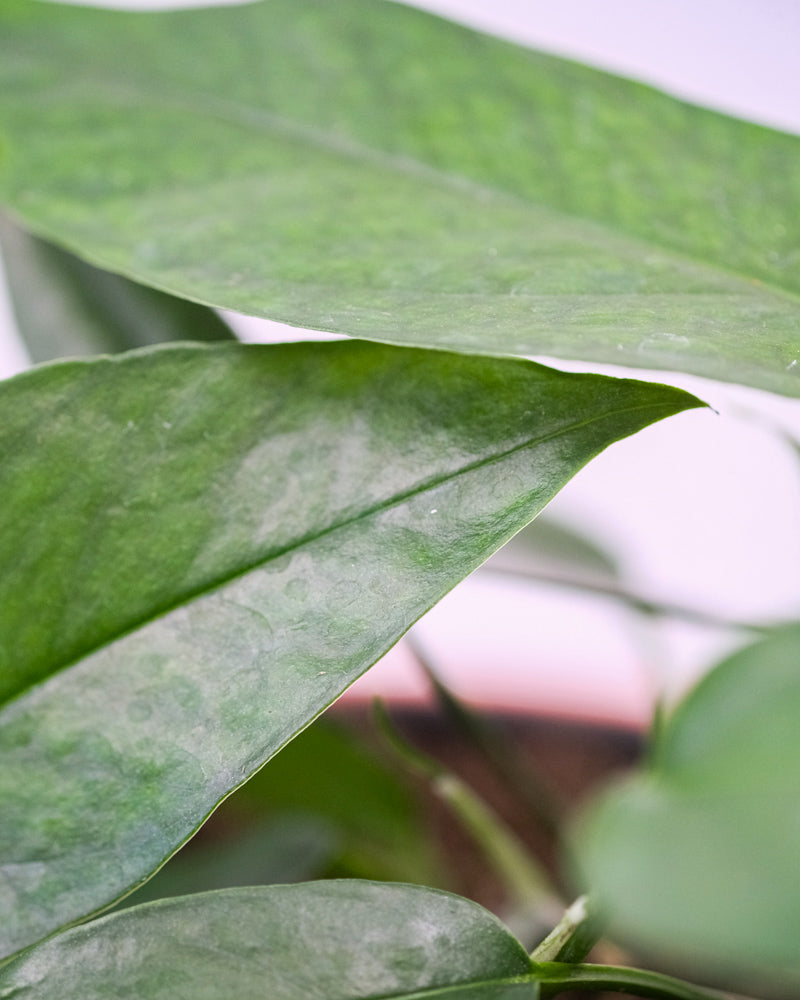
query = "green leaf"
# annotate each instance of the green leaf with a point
(66, 308)
(205, 545)
(365, 168)
(696, 859)
(317, 941)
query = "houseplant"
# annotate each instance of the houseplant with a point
(208, 543)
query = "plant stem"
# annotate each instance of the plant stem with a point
(526, 786)
(663, 609)
(524, 880)
(573, 937)
(555, 977)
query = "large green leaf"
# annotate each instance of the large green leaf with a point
(203, 546)
(365, 168)
(697, 859)
(65, 307)
(317, 941)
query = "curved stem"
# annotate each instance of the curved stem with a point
(573, 937)
(494, 748)
(524, 879)
(663, 609)
(555, 977)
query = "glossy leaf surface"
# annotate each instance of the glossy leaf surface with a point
(317, 941)
(205, 545)
(368, 169)
(697, 858)
(67, 308)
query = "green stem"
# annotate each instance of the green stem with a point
(573, 937)
(551, 980)
(525, 881)
(661, 609)
(527, 786)
(555, 977)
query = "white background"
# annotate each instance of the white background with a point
(702, 509)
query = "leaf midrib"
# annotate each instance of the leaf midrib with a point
(395, 500)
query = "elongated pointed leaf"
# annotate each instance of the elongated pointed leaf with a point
(368, 169)
(67, 308)
(698, 858)
(204, 546)
(317, 941)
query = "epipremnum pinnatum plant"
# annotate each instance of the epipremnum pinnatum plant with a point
(203, 544)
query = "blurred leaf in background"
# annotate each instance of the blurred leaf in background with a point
(696, 858)
(548, 549)
(327, 770)
(65, 307)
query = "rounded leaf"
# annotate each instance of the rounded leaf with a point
(315, 941)
(697, 858)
